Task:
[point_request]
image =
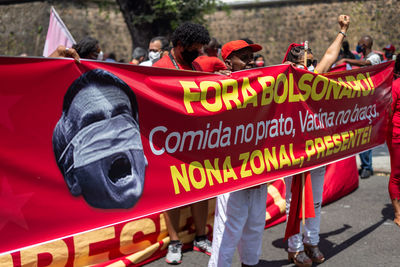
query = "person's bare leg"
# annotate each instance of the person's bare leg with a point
(200, 213)
(172, 221)
(396, 206)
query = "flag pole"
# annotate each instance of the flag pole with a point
(303, 199)
(305, 52)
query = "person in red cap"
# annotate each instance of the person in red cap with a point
(239, 216)
(303, 247)
(389, 52)
(238, 55)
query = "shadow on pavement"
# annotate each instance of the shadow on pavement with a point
(327, 247)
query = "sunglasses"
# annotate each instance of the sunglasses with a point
(312, 62)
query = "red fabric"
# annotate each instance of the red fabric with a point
(394, 143)
(165, 62)
(31, 107)
(341, 67)
(148, 230)
(394, 180)
(295, 212)
(341, 178)
(396, 107)
(288, 50)
(208, 64)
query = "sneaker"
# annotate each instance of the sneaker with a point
(364, 174)
(203, 245)
(174, 255)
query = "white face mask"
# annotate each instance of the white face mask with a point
(100, 56)
(154, 56)
(310, 68)
(103, 139)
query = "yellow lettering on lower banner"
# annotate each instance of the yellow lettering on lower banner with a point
(127, 244)
(57, 249)
(82, 244)
(278, 199)
(6, 260)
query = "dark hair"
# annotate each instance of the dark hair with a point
(63, 133)
(257, 56)
(139, 52)
(163, 40)
(100, 78)
(86, 46)
(190, 33)
(247, 40)
(296, 53)
(397, 65)
(112, 56)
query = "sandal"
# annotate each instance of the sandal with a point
(314, 253)
(300, 259)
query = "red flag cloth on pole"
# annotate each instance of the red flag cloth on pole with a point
(295, 213)
(57, 34)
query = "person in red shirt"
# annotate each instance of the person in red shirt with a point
(393, 143)
(188, 41)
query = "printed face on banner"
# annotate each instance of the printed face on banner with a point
(97, 142)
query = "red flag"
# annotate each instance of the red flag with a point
(295, 213)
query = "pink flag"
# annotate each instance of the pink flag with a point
(57, 34)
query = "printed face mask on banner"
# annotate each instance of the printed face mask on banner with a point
(114, 147)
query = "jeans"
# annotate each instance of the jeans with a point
(366, 160)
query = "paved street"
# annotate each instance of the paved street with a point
(357, 230)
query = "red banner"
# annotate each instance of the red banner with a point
(90, 145)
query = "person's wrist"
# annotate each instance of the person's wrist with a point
(343, 33)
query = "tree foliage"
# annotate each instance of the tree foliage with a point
(150, 18)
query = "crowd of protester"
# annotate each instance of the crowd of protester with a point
(240, 216)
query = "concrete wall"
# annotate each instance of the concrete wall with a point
(23, 26)
(277, 25)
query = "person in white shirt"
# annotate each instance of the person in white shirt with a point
(158, 47)
(369, 58)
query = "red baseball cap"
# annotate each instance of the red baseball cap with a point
(389, 47)
(208, 64)
(232, 46)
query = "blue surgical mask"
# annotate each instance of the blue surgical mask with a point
(359, 49)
